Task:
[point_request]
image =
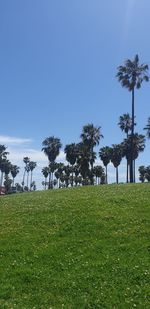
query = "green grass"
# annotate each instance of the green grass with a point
(77, 248)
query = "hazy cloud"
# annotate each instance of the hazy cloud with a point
(9, 140)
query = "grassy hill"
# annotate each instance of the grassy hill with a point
(78, 248)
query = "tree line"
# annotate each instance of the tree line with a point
(80, 157)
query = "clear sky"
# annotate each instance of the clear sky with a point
(58, 61)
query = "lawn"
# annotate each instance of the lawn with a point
(76, 248)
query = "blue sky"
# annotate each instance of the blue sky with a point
(58, 63)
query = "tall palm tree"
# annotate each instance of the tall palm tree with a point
(116, 157)
(71, 151)
(91, 137)
(26, 160)
(32, 166)
(105, 156)
(52, 168)
(14, 171)
(147, 128)
(131, 75)
(51, 148)
(45, 172)
(125, 124)
(28, 171)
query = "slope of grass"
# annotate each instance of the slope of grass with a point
(77, 248)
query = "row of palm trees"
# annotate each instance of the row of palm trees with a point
(81, 156)
(67, 175)
(7, 168)
(10, 171)
(28, 171)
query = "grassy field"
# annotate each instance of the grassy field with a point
(77, 248)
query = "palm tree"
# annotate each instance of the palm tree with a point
(147, 128)
(147, 174)
(83, 160)
(53, 168)
(26, 160)
(45, 172)
(51, 148)
(142, 172)
(67, 172)
(3, 157)
(71, 151)
(76, 170)
(91, 137)
(57, 175)
(98, 172)
(3, 152)
(2, 168)
(14, 171)
(116, 157)
(132, 146)
(125, 124)
(77, 180)
(105, 155)
(131, 75)
(7, 167)
(32, 166)
(28, 171)
(59, 172)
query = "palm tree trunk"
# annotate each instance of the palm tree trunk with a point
(52, 180)
(72, 177)
(49, 181)
(31, 181)
(117, 175)
(1, 182)
(132, 133)
(23, 180)
(13, 181)
(27, 179)
(127, 172)
(92, 178)
(127, 164)
(132, 111)
(106, 175)
(134, 169)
